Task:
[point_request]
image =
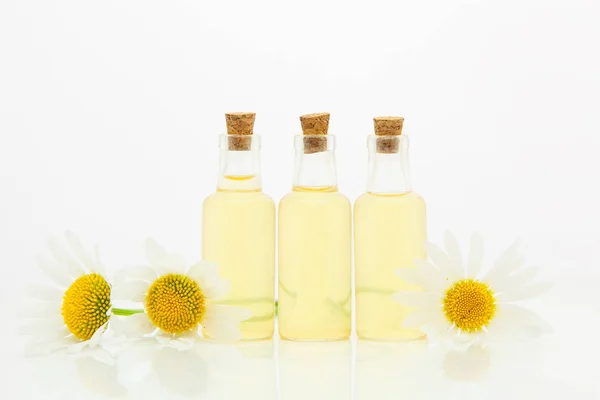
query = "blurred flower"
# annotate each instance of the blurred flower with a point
(178, 306)
(459, 307)
(74, 311)
(152, 371)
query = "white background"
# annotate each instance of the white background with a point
(110, 111)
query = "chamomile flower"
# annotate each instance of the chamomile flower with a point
(462, 305)
(178, 301)
(74, 311)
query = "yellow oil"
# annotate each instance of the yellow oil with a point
(315, 264)
(389, 231)
(238, 233)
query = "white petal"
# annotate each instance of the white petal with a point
(77, 347)
(219, 290)
(99, 266)
(155, 252)
(134, 326)
(80, 252)
(175, 263)
(425, 275)
(54, 271)
(163, 262)
(441, 260)
(524, 293)
(460, 343)
(454, 254)
(418, 299)
(420, 317)
(141, 324)
(101, 355)
(525, 276)
(514, 322)
(515, 281)
(95, 339)
(43, 311)
(409, 275)
(141, 273)
(475, 263)
(132, 290)
(509, 261)
(182, 342)
(205, 272)
(222, 322)
(206, 275)
(64, 337)
(61, 256)
(44, 327)
(436, 328)
(44, 293)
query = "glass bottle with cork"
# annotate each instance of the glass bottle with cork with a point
(389, 231)
(315, 240)
(238, 228)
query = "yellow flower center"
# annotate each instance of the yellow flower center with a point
(470, 305)
(85, 304)
(175, 303)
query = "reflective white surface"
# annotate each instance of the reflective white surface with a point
(561, 365)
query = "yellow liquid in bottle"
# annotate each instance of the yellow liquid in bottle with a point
(315, 265)
(389, 231)
(238, 234)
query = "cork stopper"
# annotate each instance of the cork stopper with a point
(315, 125)
(390, 129)
(240, 124)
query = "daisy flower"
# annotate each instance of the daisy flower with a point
(178, 307)
(74, 311)
(464, 306)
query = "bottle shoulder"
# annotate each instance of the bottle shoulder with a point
(314, 198)
(381, 199)
(222, 197)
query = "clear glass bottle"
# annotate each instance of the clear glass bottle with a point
(315, 240)
(238, 232)
(389, 231)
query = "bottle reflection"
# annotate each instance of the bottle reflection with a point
(302, 370)
(256, 372)
(391, 370)
(315, 370)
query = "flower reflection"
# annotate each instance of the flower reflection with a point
(470, 365)
(207, 370)
(98, 376)
(155, 372)
(420, 371)
(90, 374)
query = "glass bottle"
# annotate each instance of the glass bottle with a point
(315, 240)
(389, 231)
(238, 228)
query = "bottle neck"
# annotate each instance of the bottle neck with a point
(389, 171)
(239, 164)
(314, 166)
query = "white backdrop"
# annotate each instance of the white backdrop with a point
(110, 111)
